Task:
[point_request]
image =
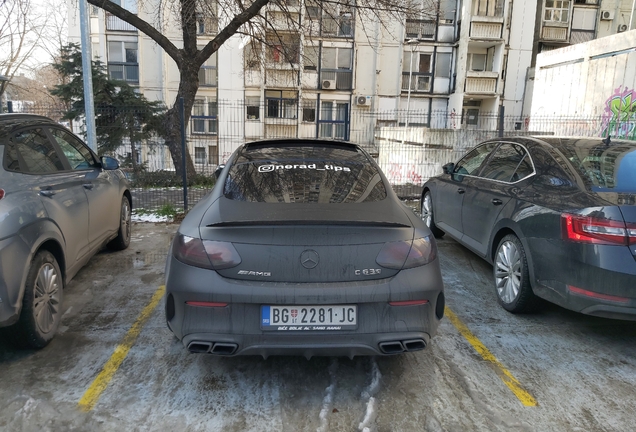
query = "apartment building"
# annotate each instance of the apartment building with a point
(333, 73)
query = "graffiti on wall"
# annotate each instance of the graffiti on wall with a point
(619, 118)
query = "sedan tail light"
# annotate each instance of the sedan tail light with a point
(407, 254)
(585, 229)
(208, 254)
(1, 193)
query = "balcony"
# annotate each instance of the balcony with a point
(580, 36)
(481, 83)
(420, 29)
(281, 78)
(485, 30)
(115, 24)
(128, 72)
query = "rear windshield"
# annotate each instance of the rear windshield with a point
(304, 175)
(605, 168)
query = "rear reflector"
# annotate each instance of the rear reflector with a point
(592, 294)
(205, 304)
(409, 303)
(585, 229)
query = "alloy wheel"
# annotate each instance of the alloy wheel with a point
(427, 210)
(508, 272)
(47, 297)
(125, 219)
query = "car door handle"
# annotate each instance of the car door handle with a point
(460, 191)
(88, 186)
(47, 192)
(497, 201)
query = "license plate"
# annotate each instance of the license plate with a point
(309, 318)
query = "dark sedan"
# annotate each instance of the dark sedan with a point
(555, 216)
(302, 248)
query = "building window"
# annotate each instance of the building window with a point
(199, 155)
(337, 20)
(253, 107)
(313, 10)
(281, 104)
(416, 72)
(309, 113)
(206, 24)
(311, 57)
(213, 155)
(283, 48)
(204, 117)
(122, 61)
(336, 65)
(443, 65)
(492, 8)
(333, 120)
(557, 11)
(252, 55)
(208, 72)
(477, 62)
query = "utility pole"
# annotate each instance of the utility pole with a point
(89, 107)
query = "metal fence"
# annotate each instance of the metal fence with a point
(410, 147)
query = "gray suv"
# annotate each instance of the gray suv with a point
(59, 205)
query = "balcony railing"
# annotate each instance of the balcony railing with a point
(580, 36)
(481, 85)
(115, 24)
(128, 72)
(420, 29)
(555, 33)
(343, 77)
(482, 30)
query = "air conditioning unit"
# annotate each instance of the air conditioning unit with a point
(622, 28)
(363, 100)
(607, 15)
(328, 84)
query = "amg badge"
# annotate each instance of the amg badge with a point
(254, 273)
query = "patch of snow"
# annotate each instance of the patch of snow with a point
(150, 218)
(371, 411)
(327, 402)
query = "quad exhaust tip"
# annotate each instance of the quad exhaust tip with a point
(396, 347)
(218, 348)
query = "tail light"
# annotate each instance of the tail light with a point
(407, 254)
(1, 193)
(586, 229)
(208, 254)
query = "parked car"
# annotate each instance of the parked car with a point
(59, 205)
(555, 216)
(302, 248)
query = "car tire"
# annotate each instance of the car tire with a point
(426, 212)
(41, 304)
(122, 240)
(512, 279)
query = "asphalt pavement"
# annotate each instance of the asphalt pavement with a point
(115, 366)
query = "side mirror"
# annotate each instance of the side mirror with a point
(217, 171)
(109, 163)
(448, 168)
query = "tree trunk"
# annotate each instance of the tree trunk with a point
(188, 86)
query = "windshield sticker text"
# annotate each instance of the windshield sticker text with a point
(326, 167)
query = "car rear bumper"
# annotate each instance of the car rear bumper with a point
(239, 322)
(596, 280)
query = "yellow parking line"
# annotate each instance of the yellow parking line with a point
(512, 383)
(91, 396)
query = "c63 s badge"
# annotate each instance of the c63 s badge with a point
(254, 273)
(367, 272)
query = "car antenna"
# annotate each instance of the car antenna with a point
(607, 140)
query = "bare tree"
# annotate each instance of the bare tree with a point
(238, 17)
(20, 34)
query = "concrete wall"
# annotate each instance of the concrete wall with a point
(593, 79)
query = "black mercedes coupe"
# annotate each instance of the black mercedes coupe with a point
(302, 248)
(555, 216)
